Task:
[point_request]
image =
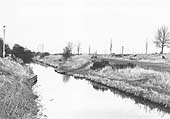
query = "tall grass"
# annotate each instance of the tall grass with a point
(17, 100)
(154, 77)
(148, 84)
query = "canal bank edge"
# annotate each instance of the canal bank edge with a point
(149, 95)
(123, 86)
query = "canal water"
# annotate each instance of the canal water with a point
(64, 97)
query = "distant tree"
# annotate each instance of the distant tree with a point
(78, 48)
(67, 51)
(23, 53)
(8, 51)
(66, 78)
(162, 38)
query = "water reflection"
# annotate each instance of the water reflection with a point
(148, 105)
(78, 99)
(66, 78)
(99, 87)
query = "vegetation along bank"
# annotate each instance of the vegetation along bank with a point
(17, 100)
(149, 84)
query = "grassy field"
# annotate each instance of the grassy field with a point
(158, 66)
(17, 100)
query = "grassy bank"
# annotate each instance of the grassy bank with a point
(148, 84)
(17, 100)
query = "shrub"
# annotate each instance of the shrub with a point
(42, 55)
(20, 52)
(99, 64)
(67, 51)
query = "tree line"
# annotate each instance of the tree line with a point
(161, 40)
(17, 51)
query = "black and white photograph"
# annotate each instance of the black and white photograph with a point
(84, 59)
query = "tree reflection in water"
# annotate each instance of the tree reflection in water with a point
(66, 78)
(148, 105)
(99, 87)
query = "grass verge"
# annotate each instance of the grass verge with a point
(17, 100)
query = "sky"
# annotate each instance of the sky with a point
(53, 23)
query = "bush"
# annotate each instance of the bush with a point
(20, 52)
(42, 55)
(99, 64)
(67, 51)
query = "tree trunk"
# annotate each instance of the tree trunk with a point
(162, 50)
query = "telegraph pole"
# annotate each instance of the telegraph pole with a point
(146, 47)
(3, 51)
(122, 50)
(89, 49)
(111, 46)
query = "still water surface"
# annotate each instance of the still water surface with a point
(64, 97)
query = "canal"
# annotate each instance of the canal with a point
(64, 97)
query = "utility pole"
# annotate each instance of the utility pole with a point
(3, 51)
(122, 50)
(78, 48)
(89, 49)
(110, 46)
(146, 47)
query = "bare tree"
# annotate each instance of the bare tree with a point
(78, 48)
(162, 38)
(67, 51)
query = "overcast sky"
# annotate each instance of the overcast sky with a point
(128, 23)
